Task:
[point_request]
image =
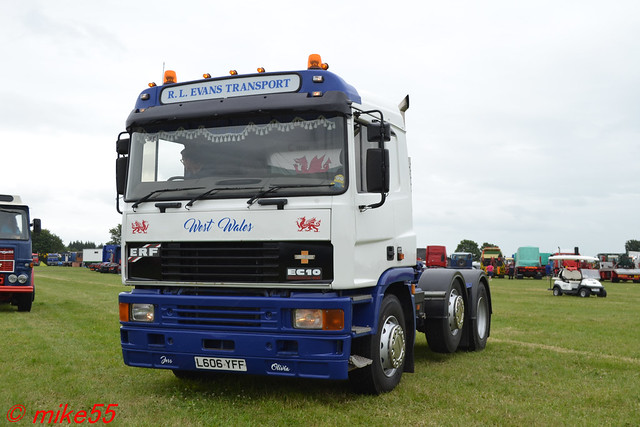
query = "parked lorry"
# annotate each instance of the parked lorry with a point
(90, 256)
(436, 256)
(109, 257)
(492, 255)
(528, 263)
(70, 259)
(54, 259)
(17, 285)
(461, 260)
(267, 229)
(112, 253)
(618, 268)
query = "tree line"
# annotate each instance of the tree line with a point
(47, 242)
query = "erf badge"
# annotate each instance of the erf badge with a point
(148, 250)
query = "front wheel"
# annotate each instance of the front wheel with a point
(387, 349)
(184, 374)
(24, 302)
(556, 291)
(584, 292)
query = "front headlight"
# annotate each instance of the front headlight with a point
(22, 279)
(12, 278)
(142, 313)
(306, 318)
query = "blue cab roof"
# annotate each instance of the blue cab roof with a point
(305, 81)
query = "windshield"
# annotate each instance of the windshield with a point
(235, 157)
(13, 224)
(590, 274)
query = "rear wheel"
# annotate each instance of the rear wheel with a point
(482, 323)
(443, 335)
(387, 349)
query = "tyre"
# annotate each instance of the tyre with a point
(443, 335)
(24, 302)
(482, 324)
(387, 349)
(187, 375)
(557, 291)
(584, 292)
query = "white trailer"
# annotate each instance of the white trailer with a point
(91, 255)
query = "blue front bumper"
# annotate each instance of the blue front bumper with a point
(254, 333)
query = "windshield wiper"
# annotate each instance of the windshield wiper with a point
(214, 191)
(275, 188)
(164, 190)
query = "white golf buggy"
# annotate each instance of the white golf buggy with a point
(577, 281)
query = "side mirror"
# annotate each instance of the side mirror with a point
(377, 131)
(121, 174)
(377, 170)
(122, 146)
(37, 225)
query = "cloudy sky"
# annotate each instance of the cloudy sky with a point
(524, 125)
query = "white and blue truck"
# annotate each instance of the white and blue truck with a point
(267, 229)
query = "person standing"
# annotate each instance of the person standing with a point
(490, 270)
(511, 270)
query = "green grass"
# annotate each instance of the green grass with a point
(549, 361)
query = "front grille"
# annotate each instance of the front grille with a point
(252, 262)
(218, 316)
(7, 263)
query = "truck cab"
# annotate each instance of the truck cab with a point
(492, 255)
(461, 260)
(16, 258)
(436, 256)
(528, 263)
(267, 229)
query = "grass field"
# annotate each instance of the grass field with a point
(549, 361)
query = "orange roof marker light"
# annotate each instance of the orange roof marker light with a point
(315, 63)
(261, 70)
(170, 77)
(233, 72)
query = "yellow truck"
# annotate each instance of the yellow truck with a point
(493, 256)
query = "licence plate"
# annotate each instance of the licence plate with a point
(220, 364)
